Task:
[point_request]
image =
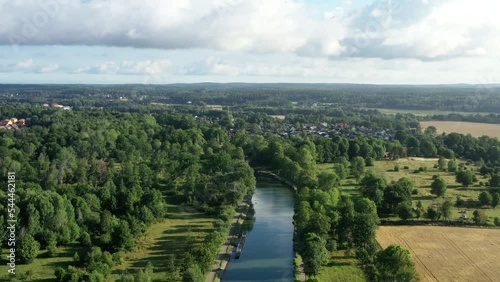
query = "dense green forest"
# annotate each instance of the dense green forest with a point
(99, 175)
(101, 179)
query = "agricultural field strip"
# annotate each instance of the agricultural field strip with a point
(448, 253)
(475, 129)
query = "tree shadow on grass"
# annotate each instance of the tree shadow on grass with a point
(341, 257)
(173, 241)
(338, 263)
(39, 280)
(63, 264)
(423, 198)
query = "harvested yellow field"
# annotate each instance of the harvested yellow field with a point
(448, 253)
(475, 129)
(278, 116)
(216, 107)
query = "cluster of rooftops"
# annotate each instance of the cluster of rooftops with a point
(12, 123)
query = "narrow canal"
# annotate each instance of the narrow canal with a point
(268, 251)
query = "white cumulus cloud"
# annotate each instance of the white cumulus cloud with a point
(387, 29)
(48, 68)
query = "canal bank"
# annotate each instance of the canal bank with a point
(225, 251)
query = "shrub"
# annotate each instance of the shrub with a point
(28, 249)
(485, 198)
(331, 245)
(406, 167)
(396, 168)
(416, 171)
(85, 239)
(52, 251)
(118, 258)
(370, 161)
(76, 257)
(479, 217)
(495, 199)
(414, 191)
(497, 221)
(432, 214)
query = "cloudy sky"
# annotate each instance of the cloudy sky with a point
(154, 41)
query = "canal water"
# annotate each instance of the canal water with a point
(268, 251)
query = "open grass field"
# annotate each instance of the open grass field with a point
(448, 253)
(475, 129)
(160, 104)
(342, 268)
(43, 267)
(167, 237)
(422, 181)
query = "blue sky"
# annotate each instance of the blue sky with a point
(150, 41)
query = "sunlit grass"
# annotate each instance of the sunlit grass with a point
(423, 181)
(342, 268)
(170, 236)
(43, 267)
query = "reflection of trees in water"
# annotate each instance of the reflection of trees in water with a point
(248, 225)
(249, 220)
(251, 211)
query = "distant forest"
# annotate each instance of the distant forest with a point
(462, 98)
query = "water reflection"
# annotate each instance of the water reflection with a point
(268, 252)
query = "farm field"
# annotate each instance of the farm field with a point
(425, 112)
(282, 117)
(215, 107)
(448, 253)
(475, 129)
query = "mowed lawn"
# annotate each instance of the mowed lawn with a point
(448, 253)
(342, 268)
(473, 128)
(423, 181)
(167, 237)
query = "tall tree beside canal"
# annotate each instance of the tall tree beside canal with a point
(315, 253)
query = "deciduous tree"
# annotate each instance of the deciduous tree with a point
(466, 177)
(438, 187)
(395, 264)
(315, 254)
